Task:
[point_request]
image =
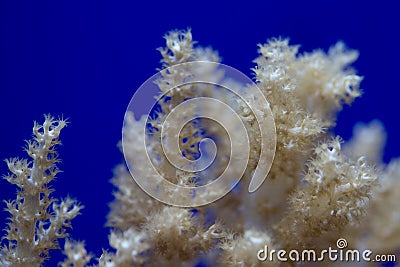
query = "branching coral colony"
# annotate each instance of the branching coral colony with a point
(317, 191)
(37, 221)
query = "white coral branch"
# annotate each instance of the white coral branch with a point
(37, 221)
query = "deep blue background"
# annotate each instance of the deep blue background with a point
(84, 60)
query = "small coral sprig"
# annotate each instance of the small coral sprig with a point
(77, 256)
(37, 221)
(335, 194)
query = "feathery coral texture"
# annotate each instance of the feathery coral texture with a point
(37, 221)
(318, 189)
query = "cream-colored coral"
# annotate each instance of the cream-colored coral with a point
(335, 194)
(305, 92)
(130, 247)
(77, 256)
(384, 227)
(317, 190)
(368, 140)
(179, 236)
(37, 220)
(296, 129)
(243, 250)
(124, 212)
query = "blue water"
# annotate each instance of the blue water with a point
(85, 59)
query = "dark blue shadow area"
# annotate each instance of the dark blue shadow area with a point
(85, 59)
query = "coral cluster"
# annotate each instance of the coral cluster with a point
(317, 190)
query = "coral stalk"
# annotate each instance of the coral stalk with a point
(37, 221)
